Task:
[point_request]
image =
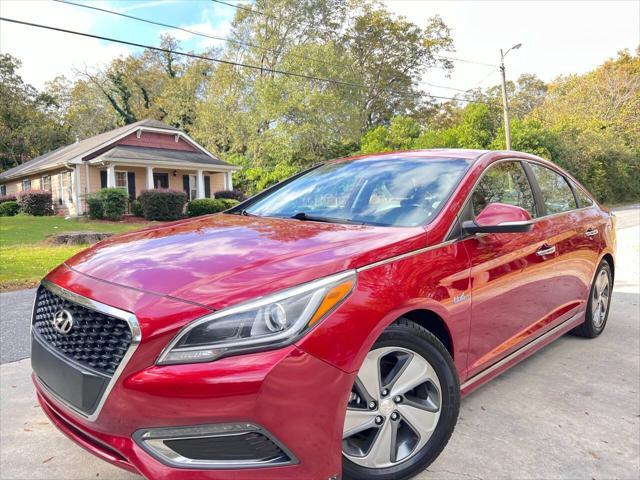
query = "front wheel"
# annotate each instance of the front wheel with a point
(598, 305)
(403, 406)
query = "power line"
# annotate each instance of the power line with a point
(443, 86)
(456, 98)
(484, 79)
(241, 7)
(464, 60)
(188, 30)
(212, 59)
(186, 54)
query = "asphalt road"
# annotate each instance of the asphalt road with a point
(570, 411)
(15, 316)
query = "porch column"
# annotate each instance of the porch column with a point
(150, 185)
(111, 176)
(228, 182)
(200, 184)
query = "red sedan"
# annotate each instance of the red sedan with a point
(325, 328)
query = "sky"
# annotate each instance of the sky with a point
(558, 37)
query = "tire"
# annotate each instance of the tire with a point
(596, 318)
(425, 415)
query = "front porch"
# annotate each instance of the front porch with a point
(136, 170)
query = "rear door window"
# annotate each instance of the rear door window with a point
(556, 192)
(584, 200)
(507, 183)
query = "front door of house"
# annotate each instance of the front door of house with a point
(160, 180)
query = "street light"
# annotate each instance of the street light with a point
(505, 102)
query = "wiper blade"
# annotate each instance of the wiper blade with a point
(244, 213)
(314, 218)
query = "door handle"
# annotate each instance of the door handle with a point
(546, 251)
(592, 232)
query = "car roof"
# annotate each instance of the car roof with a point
(439, 153)
(474, 155)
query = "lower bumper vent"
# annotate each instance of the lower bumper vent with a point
(221, 446)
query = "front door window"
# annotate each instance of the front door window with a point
(160, 180)
(193, 188)
(507, 183)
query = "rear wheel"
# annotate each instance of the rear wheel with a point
(598, 305)
(403, 406)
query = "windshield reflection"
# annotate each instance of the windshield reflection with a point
(387, 192)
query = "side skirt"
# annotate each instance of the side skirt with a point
(520, 354)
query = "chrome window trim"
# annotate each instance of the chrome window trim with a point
(152, 441)
(534, 220)
(454, 240)
(136, 337)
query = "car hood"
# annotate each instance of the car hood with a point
(224, 259)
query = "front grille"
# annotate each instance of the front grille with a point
(96, 340)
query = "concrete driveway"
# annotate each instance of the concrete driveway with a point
(570, 411)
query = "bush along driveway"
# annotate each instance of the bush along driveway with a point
(25, 257)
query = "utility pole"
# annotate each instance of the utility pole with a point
(505, 100)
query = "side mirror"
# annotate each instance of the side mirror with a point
(499, 218)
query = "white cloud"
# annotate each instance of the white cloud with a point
(140, 5)
(46, 54)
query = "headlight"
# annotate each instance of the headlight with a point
(268, 322)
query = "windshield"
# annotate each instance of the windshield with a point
(390, 192)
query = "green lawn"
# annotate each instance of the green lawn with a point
(24, 256)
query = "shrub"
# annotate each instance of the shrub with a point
(232, 194)
(35, 202)
(163, 204)
(9, 209)
(136, 208)
(108, 204)
(8, 198)
(205, 206)
(114, 203)
(94, 203)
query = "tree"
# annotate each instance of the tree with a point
(390, 55)
(84, 110)
(275, 121)
(29, 121)
(597, 116)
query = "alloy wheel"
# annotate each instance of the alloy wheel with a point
(600, 300)
(393, 409)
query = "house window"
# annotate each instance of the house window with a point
(26, 184)
(45, 182)
(121, 180)
(3, 190)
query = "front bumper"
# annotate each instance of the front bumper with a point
(290, 394)
(295, 397)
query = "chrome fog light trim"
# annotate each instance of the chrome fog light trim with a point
(161, 444)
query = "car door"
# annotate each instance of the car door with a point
(507, 274)
(575, 235)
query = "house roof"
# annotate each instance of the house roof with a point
(63, 155)
(147, 154)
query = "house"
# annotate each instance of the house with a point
(143, 155)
